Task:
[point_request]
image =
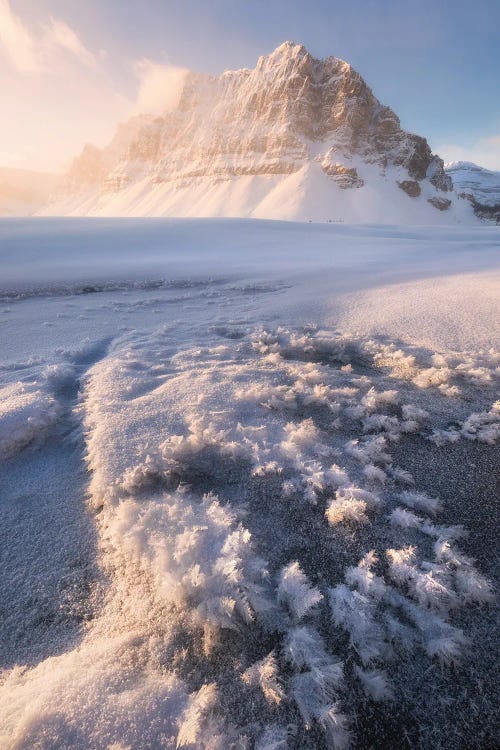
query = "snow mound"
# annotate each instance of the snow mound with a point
(26, 413)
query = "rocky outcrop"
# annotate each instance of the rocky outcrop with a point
(489, 213)
(411, 188)
(437, 175)
(344, 176)
(442, 204)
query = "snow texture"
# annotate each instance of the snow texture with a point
(277, 562)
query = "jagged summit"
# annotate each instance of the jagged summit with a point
(295, 137)
(290, 50)
(286, 49)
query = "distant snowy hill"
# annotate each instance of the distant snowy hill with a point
(480, 184)
(294, 138)
(23, 192)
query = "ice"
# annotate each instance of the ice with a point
(271, 419)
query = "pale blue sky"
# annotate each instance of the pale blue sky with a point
(435, 62)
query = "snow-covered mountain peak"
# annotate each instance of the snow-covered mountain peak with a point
(286, 50)
(295, 138)
(460, 164)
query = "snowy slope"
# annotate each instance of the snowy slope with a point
(239, 463)
(306, 195)
(294, 138)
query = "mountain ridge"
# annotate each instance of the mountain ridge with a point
(294, 138)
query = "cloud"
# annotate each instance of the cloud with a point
(30, 52)
(485, 152)
(160, 87)
(42, 65)
(17, 42)
(59, 34)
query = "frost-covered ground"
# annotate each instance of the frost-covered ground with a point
(248, 485)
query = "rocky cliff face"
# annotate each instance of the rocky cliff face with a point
(94, 164)
(292, 114)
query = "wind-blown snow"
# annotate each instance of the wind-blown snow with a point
(275, 570)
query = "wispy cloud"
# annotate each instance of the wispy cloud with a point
(17, 42)
(60, 35)
(40, 50)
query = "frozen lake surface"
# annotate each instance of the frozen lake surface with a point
(249, 485)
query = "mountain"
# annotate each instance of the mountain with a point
(481, 186)
(293, 138)
(23, 192)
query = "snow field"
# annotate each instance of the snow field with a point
(272, 575)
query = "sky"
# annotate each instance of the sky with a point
(70, 70)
